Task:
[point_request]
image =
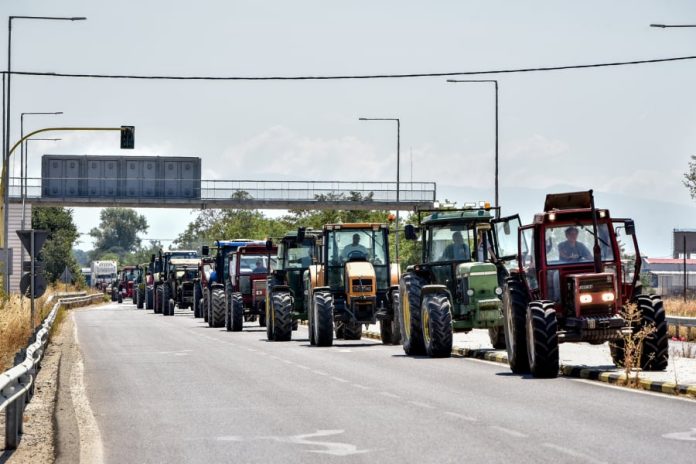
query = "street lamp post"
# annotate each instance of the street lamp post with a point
(495, 82)
(8, 117)
(398, 164)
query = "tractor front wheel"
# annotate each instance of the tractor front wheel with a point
(515, 314)
(497, 336)
(216, 318)
(237, 312)
(158, 300)
(281, 319)
(149, 298)
(323, 319)
(436, 316)
(197, 295)
(542, 339)
(166, 296)
(410, 314)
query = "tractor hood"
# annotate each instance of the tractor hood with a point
(477, 270)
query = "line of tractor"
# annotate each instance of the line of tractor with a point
(566, 277)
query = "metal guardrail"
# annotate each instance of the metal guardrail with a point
(17, 383)
(681, 321)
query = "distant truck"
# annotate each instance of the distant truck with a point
(103, 273)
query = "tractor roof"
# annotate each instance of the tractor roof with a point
(256, 247)
(293, 233)
(459, 215)
(178, 252)
(235, 243)
(569, 200)
(185, 261)
(355, 225)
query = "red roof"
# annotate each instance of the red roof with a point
(669, 261)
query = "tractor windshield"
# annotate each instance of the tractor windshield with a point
(256, 264)
(356, 245)
(452, 242)
(299, 256)
(573, 243)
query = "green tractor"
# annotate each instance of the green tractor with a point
(285, 304)
(456, 288)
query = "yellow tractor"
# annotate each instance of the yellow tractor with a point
(353, 283)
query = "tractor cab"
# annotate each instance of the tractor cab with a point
(223, 249)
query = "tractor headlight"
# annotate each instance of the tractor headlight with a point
(259, 292)
(498, 291)
(608, 297)
(470, 292)
(585, 298)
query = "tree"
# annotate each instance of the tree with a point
(56, 254)
(118, 232)
(690, 177)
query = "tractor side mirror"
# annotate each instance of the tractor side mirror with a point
(300, 234)
(205, 250)
(269, 244)
(630, 227)
(410, 232)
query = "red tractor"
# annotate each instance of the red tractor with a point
(567, 283)
(126, 277)
(249, 268)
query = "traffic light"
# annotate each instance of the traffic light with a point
(127, 137)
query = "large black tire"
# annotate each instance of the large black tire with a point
(149, 298)
(166, 296)
(172, 305)
(410, 315)
(269, 318)
(390, 329)
(542, 339)
(140, 304)
(114, 296)
(119, 297)
(352, 331)
(158, 300)
(655, 351)
(262, 316)
(216, 318)
(281, 319)
(310, 322)
(436, 317)
(205, 305)
(515, 303)
(237, 308)
(197, 296)
(497, 336)
(323, 319)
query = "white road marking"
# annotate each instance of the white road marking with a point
(511, 432)
(421, 405)
(461, 416)
(285, 360)
(338, 379)
(575, 454)
(390, 395)
(332, 448)
(252, 350)
(303, 367)
(319, 372)
(362, 387)
(686, 436)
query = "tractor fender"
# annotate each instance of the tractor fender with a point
(427, 289)
(394, 274)
(315, 273)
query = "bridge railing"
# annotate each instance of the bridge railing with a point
(265, 190)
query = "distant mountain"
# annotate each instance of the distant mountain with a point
(655, 219)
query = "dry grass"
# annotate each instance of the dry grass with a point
(15, 328)
(679, 307)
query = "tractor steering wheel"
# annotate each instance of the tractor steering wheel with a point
(356, 254)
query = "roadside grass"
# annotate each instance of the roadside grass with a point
(679, 307)
(15, 327)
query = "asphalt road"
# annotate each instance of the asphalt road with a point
(171, 389)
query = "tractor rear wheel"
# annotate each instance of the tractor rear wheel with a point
(410, 314)
(352, 331)
(515, 302)
(389, 329)
(655, 350)
(281, 319)
(216, 318)
(237, 312)
(166, 296)
(149, 298)
(141, 299)
(542, 339)
(158, 300)
(197, 295)
(436, 316)
(323, 319)
(262, 315)
(497, 336)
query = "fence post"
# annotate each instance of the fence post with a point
(11, 420)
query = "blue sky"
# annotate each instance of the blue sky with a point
(626, 132)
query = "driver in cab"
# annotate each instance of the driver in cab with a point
(456, 251)
(354, 250)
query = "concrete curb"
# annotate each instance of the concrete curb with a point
(580, 372)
